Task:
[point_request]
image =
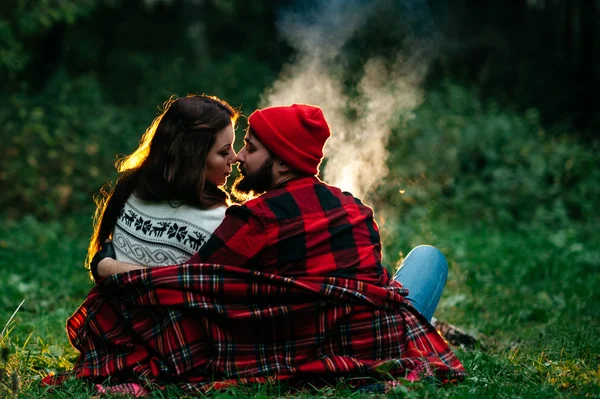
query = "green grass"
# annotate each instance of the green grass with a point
(532, 292)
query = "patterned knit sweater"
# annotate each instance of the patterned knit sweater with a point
(160, 234)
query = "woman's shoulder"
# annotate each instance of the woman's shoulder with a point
(215, 213)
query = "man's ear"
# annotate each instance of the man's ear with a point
(281, 166)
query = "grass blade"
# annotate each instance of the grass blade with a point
(11, 318)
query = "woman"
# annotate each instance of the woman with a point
(168, 198)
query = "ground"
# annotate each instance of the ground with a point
(529, 292)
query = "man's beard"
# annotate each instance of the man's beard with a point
(254, 183)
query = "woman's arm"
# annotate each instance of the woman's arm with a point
(104, 263)
(109, 266)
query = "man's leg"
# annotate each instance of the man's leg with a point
(424, 272)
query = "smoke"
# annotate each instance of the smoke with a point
(360, 122)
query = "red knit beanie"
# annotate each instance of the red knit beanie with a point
(295, 133)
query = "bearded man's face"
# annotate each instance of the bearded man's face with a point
(251, 183)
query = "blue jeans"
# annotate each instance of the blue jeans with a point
(423, 272)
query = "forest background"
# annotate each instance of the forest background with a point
(469, 125)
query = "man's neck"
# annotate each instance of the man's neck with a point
(281, 180)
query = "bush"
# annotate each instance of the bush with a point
(59, 146)
(463, 156)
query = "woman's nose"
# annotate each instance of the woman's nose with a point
(232, 158)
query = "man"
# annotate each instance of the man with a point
(289, 287)
(300, 226)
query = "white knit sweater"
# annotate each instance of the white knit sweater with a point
(161, 234)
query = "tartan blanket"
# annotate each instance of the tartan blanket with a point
(204, 326)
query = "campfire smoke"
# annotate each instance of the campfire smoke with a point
(356, 153)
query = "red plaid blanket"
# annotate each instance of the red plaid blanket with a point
(203, 326)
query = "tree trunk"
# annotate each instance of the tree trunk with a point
(568, 33)
(588, 17)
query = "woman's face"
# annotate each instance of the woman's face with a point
(220, 157)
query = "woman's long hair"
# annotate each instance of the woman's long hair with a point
(169, 164)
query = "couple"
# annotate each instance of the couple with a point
(288, 286)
